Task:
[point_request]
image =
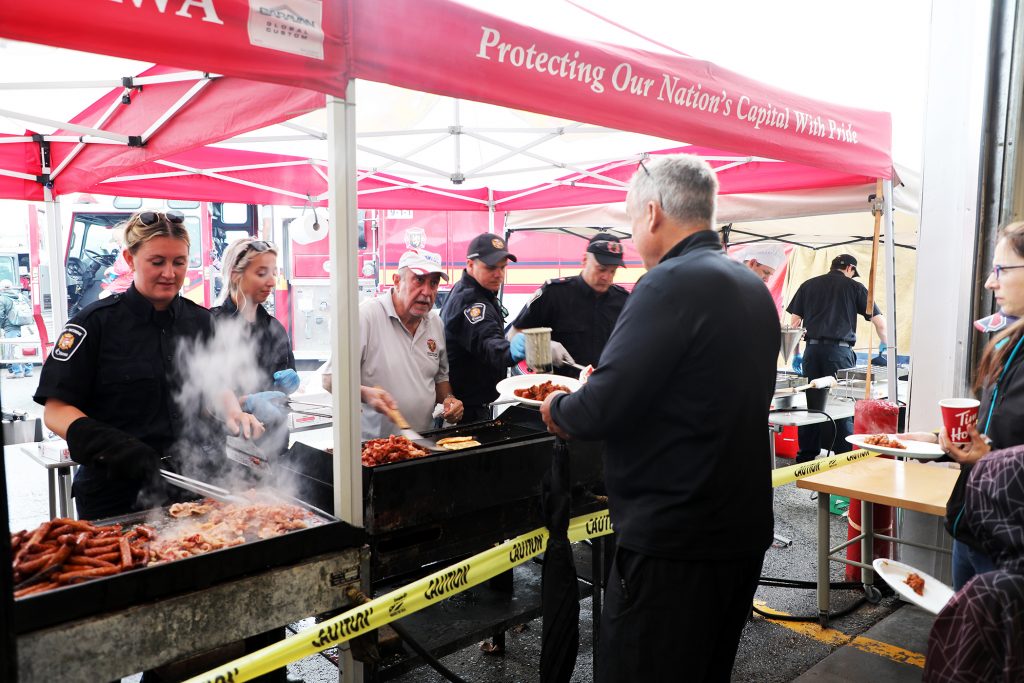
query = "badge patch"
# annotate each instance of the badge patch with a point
(497, 243)
(475, 313)
(68, 342)
(431, 345)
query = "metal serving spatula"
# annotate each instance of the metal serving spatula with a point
(411, 434)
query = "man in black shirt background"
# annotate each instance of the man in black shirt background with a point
(681, 397)
(827, 306)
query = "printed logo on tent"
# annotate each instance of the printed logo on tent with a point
(415, 238)
(292, 26)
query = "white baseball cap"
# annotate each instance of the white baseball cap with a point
(422, 262)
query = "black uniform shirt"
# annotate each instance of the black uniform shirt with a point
(829, 305)
(115, 361)
(579, 318)
(273, 347)
(681, 396)
(478, 353)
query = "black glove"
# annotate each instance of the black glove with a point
(95, 444)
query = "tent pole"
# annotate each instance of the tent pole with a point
(55, 248)
(890, 291)
(341, 165)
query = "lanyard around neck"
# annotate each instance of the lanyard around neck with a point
(995, 389)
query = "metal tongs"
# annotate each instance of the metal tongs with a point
(202, 488)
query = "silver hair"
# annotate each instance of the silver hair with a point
(683, 184)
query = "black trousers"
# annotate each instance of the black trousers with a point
(674, 620)
(822, 360)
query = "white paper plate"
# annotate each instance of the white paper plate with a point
(922, 450)
(507, 387)
(935, 593)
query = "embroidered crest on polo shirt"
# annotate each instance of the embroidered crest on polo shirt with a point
(68, 342)
(474, 313)
(432, 349)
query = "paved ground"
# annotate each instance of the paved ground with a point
(770, 651)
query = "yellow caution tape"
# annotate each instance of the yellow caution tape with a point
(784, 475)
(430, 589)
(441, 585)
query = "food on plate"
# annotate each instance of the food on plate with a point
(884, 441)
(539, 392)
(65, 551)
(391, 449)
(457, 443)
(223, 525)
(915, 582)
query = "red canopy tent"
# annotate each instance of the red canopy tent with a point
(472, 55)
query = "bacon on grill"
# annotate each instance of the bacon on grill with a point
(392, 449)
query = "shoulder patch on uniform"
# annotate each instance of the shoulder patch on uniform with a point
(68, 342)
(475, 313)
(559, 280)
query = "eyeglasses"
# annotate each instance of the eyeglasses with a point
(651, 177)
(998, 270)
(152, 217)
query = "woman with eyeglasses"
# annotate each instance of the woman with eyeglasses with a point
(250, 273)
(1000, 381)
(110, 383)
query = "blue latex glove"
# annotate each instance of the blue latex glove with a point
(798, 364)
(266, 406)
(286, 381)
(882, 346)
(518, 347)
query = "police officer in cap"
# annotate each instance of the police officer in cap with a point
(109, 384)
(827, 306)
(580, 310)
(479, 355)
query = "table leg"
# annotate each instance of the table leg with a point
(772, 431)
(867, 544)
(65, 493)
(51, 483)
(824, 542)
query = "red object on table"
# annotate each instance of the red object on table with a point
(786, 443)
(871, 417)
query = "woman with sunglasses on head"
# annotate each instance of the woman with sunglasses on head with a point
(110, 383)
(1000, 381)
(250, 273)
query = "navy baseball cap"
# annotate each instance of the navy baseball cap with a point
(843, 261)
(607, 249)
(489, 248)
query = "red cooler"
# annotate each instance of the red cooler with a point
(871, 417)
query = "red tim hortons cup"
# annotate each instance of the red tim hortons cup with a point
(958, 416)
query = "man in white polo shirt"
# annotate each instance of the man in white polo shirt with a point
(403, 358)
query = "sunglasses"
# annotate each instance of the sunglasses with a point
(153, 217)
(260, 245)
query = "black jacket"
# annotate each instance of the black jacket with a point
(682, 396)
(1005, 430)
(579, 318)
(474, 331)
(273, 347)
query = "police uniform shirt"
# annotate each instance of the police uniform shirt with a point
(408, 365)
(829, 305)
(273, 347)
(579, 318)
(115, 361)
(478, 352)
(681, 398)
